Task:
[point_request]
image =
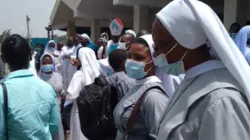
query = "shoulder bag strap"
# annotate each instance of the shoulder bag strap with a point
(136, 109)
(5, 99)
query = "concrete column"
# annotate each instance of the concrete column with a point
(230, 12)
(140, 18)
(248, 10)
(71, 28)
(242, 11)
(95, 29)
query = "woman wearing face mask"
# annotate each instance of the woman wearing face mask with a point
(234, 29)
(146, 99)
(126, 40)
(212, 102)
(242, 40)
(48, 74)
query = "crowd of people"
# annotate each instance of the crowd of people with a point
(188, 79)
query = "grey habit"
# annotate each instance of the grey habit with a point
(55, 80)
(209, 106)
(145, 123)
(122, 82)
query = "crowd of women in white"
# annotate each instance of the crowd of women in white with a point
(212, 101)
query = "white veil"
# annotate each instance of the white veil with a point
(194, 24)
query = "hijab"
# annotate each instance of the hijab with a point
(169, 82)
(197, 23)
(241, 40)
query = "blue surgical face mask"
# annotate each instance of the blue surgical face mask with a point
(47, 68)
(233, 35)
(135, 69)
(174, 68)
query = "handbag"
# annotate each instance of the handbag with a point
(5, 102)
(136, 109)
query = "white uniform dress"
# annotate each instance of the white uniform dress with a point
(66, 69)
(89, 71)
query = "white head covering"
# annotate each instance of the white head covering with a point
(195, 23)
(241, 40)
(54, 79)
(86, 37)
(169, 82)
(53, 60)
(130, 32)
(89, 71)
(90, 66)
(47, 49)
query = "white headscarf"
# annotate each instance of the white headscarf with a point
(90, 66)
(169, 82)
(194, 24)
(131, 32)
(53, 60)
(86, 37)
(241, 41)
(50, 51)
(86, 75)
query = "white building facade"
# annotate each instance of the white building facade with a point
(95, 15)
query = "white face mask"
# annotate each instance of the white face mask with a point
(122, 46)
(52, 49)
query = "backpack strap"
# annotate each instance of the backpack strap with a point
(77, 57)
(5, 102)
(136, 109)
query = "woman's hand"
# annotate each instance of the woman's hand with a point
(75, 62)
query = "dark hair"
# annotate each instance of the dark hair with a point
(142, 32)
(116, 58)
(236, 26)
(140, 41)
(131, 35)
(247, 22)
(16, 52)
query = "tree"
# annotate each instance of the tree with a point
(4, 35)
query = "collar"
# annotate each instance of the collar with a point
(204, 67)
(47, 75)
(18, 73)
(151, 79)
(119, 73)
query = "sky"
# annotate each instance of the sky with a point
(13, 16)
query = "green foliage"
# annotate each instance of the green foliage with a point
(4, 35)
